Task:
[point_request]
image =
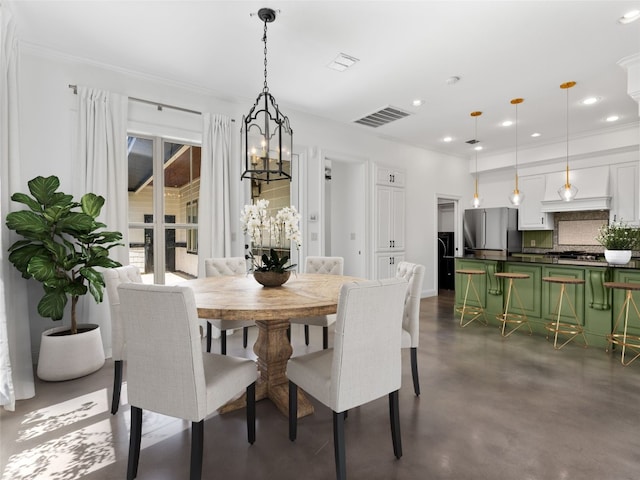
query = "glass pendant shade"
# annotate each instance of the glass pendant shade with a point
(477, 201)
(567, 191)
(516, 197)
(266, 136)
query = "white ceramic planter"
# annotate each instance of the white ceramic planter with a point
(65, 357)
(617, 257)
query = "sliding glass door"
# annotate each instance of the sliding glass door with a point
(163, 186)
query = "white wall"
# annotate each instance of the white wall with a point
(47, 139)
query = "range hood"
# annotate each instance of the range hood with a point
(593, 191)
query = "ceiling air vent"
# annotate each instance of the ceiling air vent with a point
(472, 142)
(382, 117)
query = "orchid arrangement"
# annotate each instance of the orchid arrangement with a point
(618, 236)
(267, 232)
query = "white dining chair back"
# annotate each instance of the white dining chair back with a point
(364, 364)
(413, 273)
(218, 267)
(167, 370)
(324, 266)
(112, 278)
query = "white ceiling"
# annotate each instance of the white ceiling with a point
(407, 50)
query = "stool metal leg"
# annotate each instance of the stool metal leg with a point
(475, 311)
(625, 340)
(566, 328)
(507, 317)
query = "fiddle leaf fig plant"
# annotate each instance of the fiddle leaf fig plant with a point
(62, 244)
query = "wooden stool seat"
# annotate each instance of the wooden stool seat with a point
(631, 342)
(564, 328)
(475, 311)
(510, 317)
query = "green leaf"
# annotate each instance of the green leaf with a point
(76, 289)
(43, 188)
(92, 275)
(63, 200)
(52, 304)
(96, 291)
(20, 257)
(42, 267)
(27, 200)
(26, 221)
(76, 222)
(56, 249)
(92, 204)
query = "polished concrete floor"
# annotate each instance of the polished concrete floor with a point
(491, 408)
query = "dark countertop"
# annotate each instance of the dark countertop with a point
(544, 260)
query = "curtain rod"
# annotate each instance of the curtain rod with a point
(160, 106)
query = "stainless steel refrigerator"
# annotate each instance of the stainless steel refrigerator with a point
(493, 231)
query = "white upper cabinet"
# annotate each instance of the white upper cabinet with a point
(391, 177)
(530, 215)
(625, 196)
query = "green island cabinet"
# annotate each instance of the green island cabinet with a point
(593, 303)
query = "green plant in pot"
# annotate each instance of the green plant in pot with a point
(619, 240)
(62, 246)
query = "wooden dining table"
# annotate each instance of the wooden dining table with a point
(240, 297)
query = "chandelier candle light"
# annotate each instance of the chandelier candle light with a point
(567, 192)
(267, 138)
(476, 199)
(516, 196)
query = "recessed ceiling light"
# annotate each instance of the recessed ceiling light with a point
(629, 17)
(417, 102)
(536, 134)
(590, 100)
(507, 123)
(342, 62)
(478, 148)
(447, 139)
(613, 118)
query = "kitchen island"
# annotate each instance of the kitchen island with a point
(596, 306)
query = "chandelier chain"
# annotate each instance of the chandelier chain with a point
(264, 39)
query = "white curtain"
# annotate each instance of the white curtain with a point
(16, 364)
(101, 168)
(214, 223)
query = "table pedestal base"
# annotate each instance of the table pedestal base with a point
(273, 350)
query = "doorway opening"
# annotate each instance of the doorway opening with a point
(447, 241)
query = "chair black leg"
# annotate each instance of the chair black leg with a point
(197, 441)
(223, 342)
(394, 416)
(293, 411)
(208, 337)
(325, 338)
(117, 385)
(289, 333)
(245, 336)
(135, 436)
(306, 335)
(414, 370)
(251, 413)
(338, 445)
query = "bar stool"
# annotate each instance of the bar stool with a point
(564, 328)
(510, 317)
(475, 311)
(625, 340)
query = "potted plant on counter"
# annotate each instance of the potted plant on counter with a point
(62, 245)
(619, 240)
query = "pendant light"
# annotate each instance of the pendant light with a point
(267, 138)
(516, 196)
(476, 199)
(567, 191)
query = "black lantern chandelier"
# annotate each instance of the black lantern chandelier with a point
(267, 138)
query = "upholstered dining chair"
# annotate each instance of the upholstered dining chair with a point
(363, 365)
(168, 373)
(414, 275)
(327, 266)
(217, 267)
(112, 278)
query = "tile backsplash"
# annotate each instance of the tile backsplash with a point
(573, 231)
